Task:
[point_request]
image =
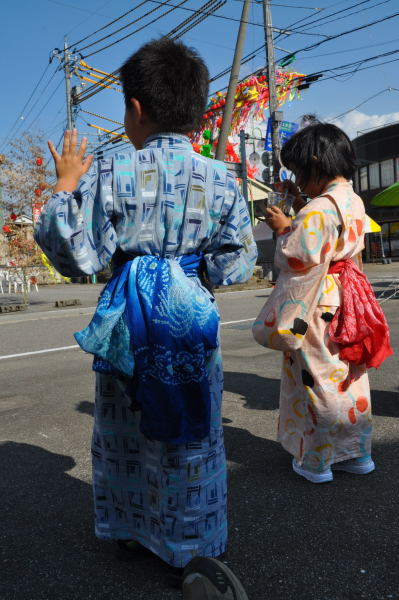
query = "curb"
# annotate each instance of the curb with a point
(13, 308)
(71, 302)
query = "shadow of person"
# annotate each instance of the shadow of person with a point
(48, 547)
(384, 403)
(85, 407)
(259, 393)
(289, 538)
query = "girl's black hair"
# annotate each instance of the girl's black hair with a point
(170, 81)
(319, 151)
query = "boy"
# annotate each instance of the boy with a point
(165, 214)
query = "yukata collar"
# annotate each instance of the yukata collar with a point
(333, 186)
(167, 139)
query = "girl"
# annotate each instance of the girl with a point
(322, 313)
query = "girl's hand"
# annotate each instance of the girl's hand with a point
(277, 220)
(290, 187)
(71, 165)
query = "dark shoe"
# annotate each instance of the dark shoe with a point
(127, 549)
(210, 579)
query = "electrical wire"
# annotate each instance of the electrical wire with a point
(389, 89)
(108, 24)
(355, 12)
(21, 114)
(121, 28)
(189, 19)
(319, 19)
(44, 106)
(22, 119)
(343, 33)
(195, 19)
(139, 29)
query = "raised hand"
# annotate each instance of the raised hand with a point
(71, 164)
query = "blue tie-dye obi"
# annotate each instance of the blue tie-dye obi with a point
(156, 325)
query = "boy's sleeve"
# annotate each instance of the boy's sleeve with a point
(232, 254)
(75, 230)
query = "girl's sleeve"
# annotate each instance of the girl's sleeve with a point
(303, 256)
(75, 230)
(312, 240)
(231, 256)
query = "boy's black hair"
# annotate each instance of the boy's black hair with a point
(170, 81)
(319, 151)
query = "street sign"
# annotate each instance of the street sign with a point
(286, 130)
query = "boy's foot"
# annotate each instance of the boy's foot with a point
(357, 466)
(210, 579)
(313, 476)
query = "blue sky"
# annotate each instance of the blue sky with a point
(30, 30)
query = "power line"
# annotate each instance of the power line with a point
(319, 19)
(338, 35)
(389, 89)
(140, 28)
(355, 12)
(108, 24)
(105, 37)
(216, 16)
(21, 114)
(44, 105)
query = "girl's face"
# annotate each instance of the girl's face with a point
(311, 188)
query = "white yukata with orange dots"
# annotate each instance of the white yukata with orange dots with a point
(325, 412)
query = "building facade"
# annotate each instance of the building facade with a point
(377, 152)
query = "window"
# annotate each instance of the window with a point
(397, 168)
(356, 182)
(374, 176)
(387, 177)
(363, 179)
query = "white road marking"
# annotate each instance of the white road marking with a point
(240, 321)
(61, 348)
(20, 355)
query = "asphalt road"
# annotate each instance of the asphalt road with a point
(289, 539)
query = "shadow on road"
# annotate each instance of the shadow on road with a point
(48, 548)
(259, 393)
(289, 539)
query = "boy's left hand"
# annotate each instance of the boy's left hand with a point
(276, 219)
(71, 165)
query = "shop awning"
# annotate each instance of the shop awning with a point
(388, 197)
(371, 226)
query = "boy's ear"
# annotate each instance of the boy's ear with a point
(136, 109)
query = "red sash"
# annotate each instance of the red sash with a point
(359, 326)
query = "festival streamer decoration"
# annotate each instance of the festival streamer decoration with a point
(251, 101)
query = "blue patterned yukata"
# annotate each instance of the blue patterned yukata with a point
(157, 205)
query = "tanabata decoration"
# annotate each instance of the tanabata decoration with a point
(6, 229)
(39, 161)
(38, 192)
(13, 216)
(251, 101)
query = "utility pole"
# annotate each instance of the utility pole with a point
(67, 71)
(235, 71)
(275, 116)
